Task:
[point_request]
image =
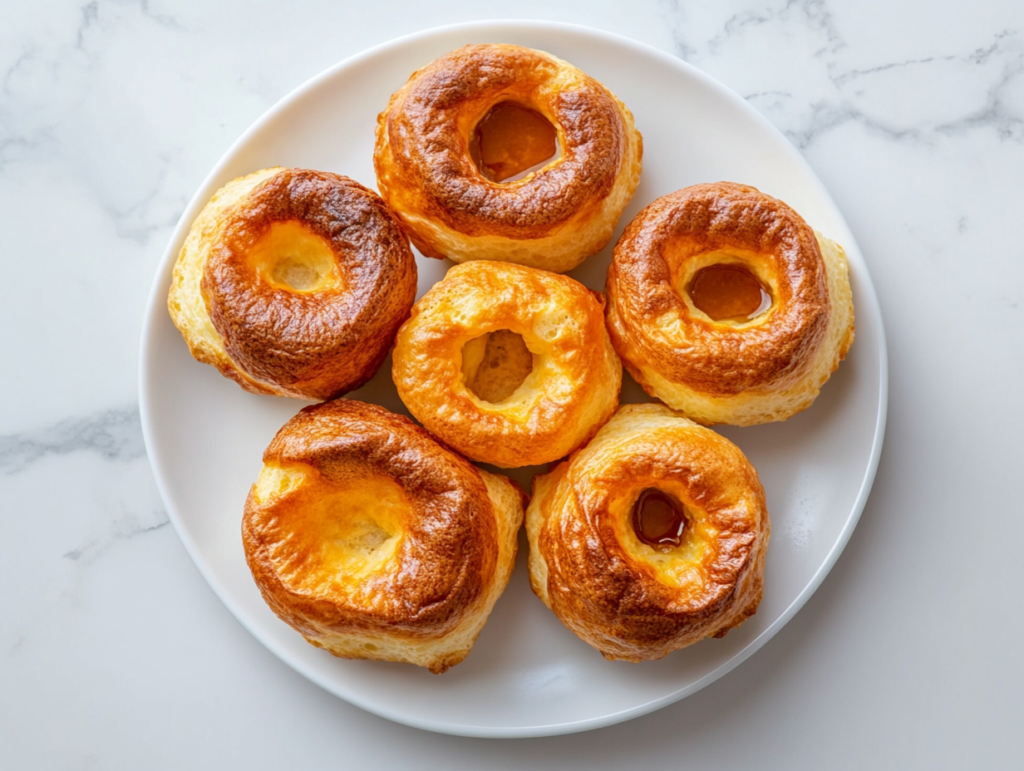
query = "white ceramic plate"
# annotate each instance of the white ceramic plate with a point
(527, 675)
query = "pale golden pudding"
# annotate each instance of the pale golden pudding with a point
(651, 537)
(499, 152)
(727, 306)
(374, 541)
(508, 365)
(293, 282)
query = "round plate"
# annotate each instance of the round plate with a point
(528, 675)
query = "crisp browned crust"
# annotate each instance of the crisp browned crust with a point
(425, 172)
(420, 588)
(315, 344)
(696, 364)
(572, 390)
(618, 594)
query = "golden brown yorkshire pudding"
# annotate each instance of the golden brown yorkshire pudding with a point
(508, 365)
(498, 152)
(724, 304)
(293, 282)
(376, 542)
(651, 537)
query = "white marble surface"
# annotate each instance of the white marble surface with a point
(115, 654)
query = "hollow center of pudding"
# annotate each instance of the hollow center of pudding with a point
(289, 256)
(659, 520)
(496, 364)
(323, 533)
(511, 141)
(729, 292)
(356, 529)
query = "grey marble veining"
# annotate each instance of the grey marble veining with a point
(980, 79)
(115, 435)
(67, 100)
(127, 527)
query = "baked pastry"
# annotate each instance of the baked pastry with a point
(508, 365)
(293, 282)
(499, 152)
(376, 542)
(727, 306)
(651, 537)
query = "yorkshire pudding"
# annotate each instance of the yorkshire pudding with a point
(727, 306)
(293, 282)
(499, 152)
(651, 537)
(508, 365)
(374, 541)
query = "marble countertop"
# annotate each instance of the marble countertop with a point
(115, 654)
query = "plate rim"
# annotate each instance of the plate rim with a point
(867, 304)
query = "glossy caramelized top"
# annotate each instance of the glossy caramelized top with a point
(592, 560)
(361, 521)
(555, 377)
(503, 152)
(293, 282)
(719, 295)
